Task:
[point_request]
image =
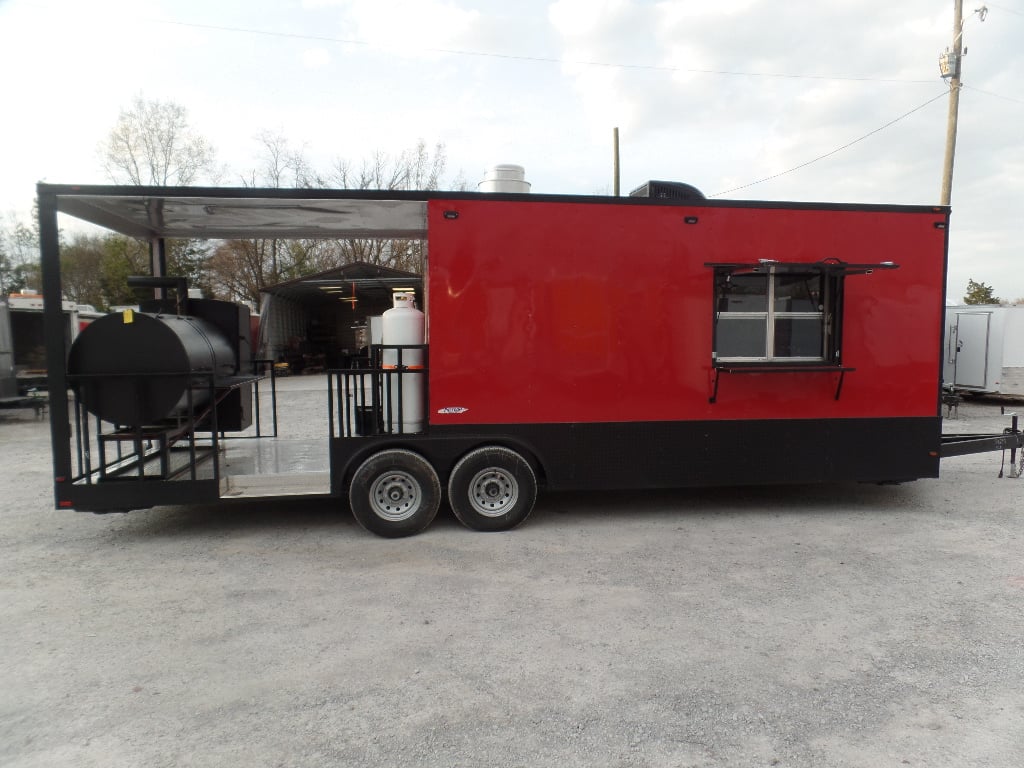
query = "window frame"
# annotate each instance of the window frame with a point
(831, 289)
(833, 272)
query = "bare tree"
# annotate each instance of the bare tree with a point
(152, 144)
(283, 165)
(414, 169)
(240, 269)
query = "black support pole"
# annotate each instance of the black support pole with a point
(54, 324)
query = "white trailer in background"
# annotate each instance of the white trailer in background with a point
(8, 384)
(10, 390)
(22, 346)
(984, 349)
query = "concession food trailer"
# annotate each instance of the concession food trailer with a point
(659, 340)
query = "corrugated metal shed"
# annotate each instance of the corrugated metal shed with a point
(320, 314)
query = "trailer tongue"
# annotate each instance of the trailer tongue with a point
(1011, 440)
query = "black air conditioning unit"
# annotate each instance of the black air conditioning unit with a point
(668, 190)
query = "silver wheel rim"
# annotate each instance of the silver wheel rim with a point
(493, 492)
(395, 496)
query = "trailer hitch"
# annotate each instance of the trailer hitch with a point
(1015, 471)
(1011, 438)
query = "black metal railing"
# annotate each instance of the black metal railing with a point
(168, 448)
(386, 393)
(105, 450)
(261, 368)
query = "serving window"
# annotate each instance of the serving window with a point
(776, 316)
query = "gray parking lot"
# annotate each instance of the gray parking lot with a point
(811, 626)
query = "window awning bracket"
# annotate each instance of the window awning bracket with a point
(827, 266)
(760, 368)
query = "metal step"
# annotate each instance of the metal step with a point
(271, 485)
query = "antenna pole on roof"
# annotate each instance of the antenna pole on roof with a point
(615, 161)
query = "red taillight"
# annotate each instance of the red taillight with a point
(65, 504)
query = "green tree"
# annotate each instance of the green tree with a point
(979, 293)
(14, 276)
(121, 258)
(188, 259)
(19, 257)
(95, 268)
(81, 261)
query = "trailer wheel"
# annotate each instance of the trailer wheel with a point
(492, 489)
(395, 493)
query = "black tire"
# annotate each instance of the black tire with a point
(395, 493)
(492, 489)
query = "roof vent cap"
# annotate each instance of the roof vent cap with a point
(505, 178)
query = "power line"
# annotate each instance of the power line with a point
(994, 95)
(834, 151)
(536, 59)
(1005, 10)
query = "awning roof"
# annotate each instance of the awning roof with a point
(149, 212)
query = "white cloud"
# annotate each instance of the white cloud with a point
(409, 27)
(315, 58)
(349, 77)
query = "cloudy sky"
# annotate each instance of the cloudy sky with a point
(718, 94)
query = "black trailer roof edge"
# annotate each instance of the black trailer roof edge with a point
(301, 193)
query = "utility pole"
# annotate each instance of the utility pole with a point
(951, 65)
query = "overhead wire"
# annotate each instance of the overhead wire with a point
(1005, 10)
(614, 65)
(994, 95)
(537, 59)
(554, 60)
(834, 151)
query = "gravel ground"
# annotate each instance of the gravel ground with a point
(836, 626)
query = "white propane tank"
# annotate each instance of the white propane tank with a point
(505, 178)
(403, 324)
(375, 325)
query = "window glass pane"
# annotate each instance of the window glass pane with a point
(742, 293)
(798, 337)
(799, 293)
(742, 337)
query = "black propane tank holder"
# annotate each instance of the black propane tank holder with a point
(370, 398)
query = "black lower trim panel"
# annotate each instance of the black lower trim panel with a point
(681, 454)
(122, 495)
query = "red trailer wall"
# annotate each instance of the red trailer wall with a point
(554, 312)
